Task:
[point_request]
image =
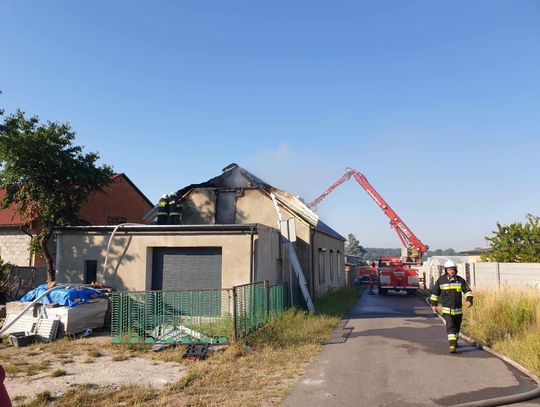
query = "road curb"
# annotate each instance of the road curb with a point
(505, 400)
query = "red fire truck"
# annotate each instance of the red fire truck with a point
(394, 273)
(396, 276)
(365, 274)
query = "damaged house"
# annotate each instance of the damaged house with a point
(228, 236)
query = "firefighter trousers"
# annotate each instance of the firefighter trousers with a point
(453, 324)
(162, 219)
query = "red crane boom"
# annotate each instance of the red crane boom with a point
(404, 233)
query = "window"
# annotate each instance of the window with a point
(90, 271)
(322, 270)
(332, 264)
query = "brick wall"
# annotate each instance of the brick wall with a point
(118, 203)
(14, 247)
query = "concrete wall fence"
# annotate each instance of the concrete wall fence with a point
(482, 275)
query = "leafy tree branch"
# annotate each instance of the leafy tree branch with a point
(46, 176)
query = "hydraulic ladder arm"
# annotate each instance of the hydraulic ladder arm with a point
(404, 233)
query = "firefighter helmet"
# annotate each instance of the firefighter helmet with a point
(448, 264)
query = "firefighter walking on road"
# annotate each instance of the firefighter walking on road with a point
(447, 292)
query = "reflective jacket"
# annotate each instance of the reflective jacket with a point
(173, 206)
(163, 208)
(447, 291)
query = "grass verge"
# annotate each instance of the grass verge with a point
(337, 303)
(258, 370)
(509, 322)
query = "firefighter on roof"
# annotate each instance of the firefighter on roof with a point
(174, 212)
(163, 210)
(447, 292)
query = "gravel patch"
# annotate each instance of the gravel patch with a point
(103, 372)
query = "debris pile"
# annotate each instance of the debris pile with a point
(48, 312)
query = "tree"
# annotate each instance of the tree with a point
(516, 243)
(46, 177)
(6, 269)
(352, 246)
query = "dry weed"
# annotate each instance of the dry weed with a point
(58, 373)
(509, 321)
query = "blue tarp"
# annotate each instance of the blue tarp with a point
(67, 297)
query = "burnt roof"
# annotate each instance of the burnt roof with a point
(234, 176)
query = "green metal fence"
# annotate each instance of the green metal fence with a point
(278, 299)
(255, 304)
(250, 308)
(211, 316)
(172, 316)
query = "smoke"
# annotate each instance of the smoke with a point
(291, 170)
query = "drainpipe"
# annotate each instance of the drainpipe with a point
(252, 256)
(312, 271)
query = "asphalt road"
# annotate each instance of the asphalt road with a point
(393, 351)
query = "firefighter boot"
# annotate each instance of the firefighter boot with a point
(452, 341)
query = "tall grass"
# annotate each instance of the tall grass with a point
(337, 302)
(295, 327)
(509, 321)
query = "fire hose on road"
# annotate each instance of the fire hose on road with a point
(499, 401)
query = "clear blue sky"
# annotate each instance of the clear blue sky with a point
(437, 103)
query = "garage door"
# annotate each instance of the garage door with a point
(186, 268)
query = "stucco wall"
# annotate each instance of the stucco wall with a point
(130, 257)
(199, 207)
(14, 246)
(255, 206)
(331, 248)
(252, 206)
